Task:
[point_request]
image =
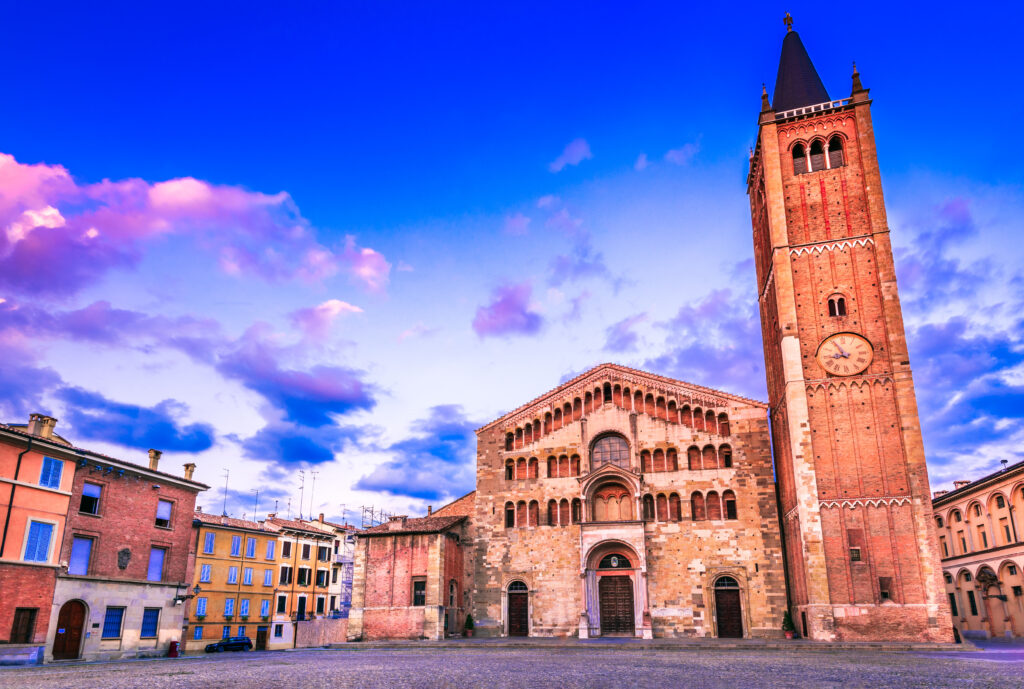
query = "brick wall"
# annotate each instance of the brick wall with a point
(26, 586)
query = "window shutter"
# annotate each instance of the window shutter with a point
(201, 606)
(156, 564)
(81, 549)
(38, 546)
(264, 607)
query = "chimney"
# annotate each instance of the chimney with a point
(41, 425)
(154, 459)
(397, 522)
(271, 515)
(190, 469)
(957, 485)
(321, 519)
(938, 494)
(199, 508)
(430, 510)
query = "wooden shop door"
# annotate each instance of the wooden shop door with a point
(616, 596)
(518, 614)
(68, 639)
(727, 611)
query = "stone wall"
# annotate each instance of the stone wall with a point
(321, 632)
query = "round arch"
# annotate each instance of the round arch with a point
(609, 447)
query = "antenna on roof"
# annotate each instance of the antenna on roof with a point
(289, 508)
(312, 490)
(256, 506)
(227, 474)
(302, 489)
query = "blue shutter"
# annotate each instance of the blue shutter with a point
(250, 547)
(270, 550)
(150, 622)
(236, 545)
(38, 547)
(156, 564)
(229, 606)
(210, 539)
(197, 633)
(244, 607)
(112, 623)
(49, 477)
(81, 550)
(264, 608)
(201, 606)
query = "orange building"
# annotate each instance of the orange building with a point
(37, 469)
(235, 580)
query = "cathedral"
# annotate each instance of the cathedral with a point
(625, 503)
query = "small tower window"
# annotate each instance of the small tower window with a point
(836, 306)
(817, 156)
(835, 152)
(799, 160)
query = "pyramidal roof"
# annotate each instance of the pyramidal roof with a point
(797, 84)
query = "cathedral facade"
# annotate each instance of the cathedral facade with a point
(626, 503)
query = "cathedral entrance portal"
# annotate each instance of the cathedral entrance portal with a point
(616, 595)
(728, 611)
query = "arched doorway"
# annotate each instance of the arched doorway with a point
(615, 595)
(70, 621)
(518, 609)
(728, 612)
(988, 585)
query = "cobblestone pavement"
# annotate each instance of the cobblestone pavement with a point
(520, 668)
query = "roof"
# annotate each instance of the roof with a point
(797, 83)
(414, 525)
(231, 522)
(316, 523)
(87, 454)
(458, 506)
(600, 369)
(294, 525)
(964, 490)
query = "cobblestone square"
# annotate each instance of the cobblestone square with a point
(570, 667)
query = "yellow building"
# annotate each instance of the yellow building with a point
(234, 583)
(303, 579)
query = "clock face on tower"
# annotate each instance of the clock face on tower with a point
(844, 354)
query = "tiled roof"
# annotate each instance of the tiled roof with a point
(963, 490)
(218, 520)
(413, 525)
(295, 525)
(86, 454)
(459, 506)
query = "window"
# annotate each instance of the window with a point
(729, 498)
(204, 574)
(150, 623)
(24, 626)
(1012, 570)
(225, 632)
(208, 543)
(90, 498)
(236, 546)
(836, 307)
(885, 588)
(973, 603)
(197, 633)
(799, 160)
(945, 548)
(1000, 503)
(835, 152)
(948, 577)
(232, 575)
(510, 470)
(321, 577)
(977, 510)
(268, 577)
(817, 156)
(112, 623)
(510, 515)
(155, 571)
(1017, 591)
(611, 449)
(419, 591)
(265, 608)
(49, 477)
(37, 545)
(967, 576)
(282, 604)
(577, 511)
(320, 605)
(305, 576)
(163, 514)
(229, 606)
(855, 555)
(250, 547)
(952, 605)
(334, 576)
(270, 550)
(81, 553)
(452, 593)
(247, 576)
(278, 631)
(201, 606)
(305, 551)
(241, 631)
(286, 575)
(286, 549)
(982, 536)
(243, 607)
(963, 542)
(323, 553)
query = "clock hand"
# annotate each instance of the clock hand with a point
(841, 351)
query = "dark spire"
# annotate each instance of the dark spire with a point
(798, 83)
(857, 86)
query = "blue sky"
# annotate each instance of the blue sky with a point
(338, 237)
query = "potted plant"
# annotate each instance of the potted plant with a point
(244, 618)
(788, 627)
(228, 617)
(469, 625)
(200, 618)
(265, 617)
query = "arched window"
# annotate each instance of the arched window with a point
(693, 458)
(659, 460)
(686, 416)
(671, 460)
(648, 508)
(835, 152)
(563, 512)
(714, 505)
(612, 503)
(510, 515)
(955, 516)
(588, 403)
(948, 577)
(662, 503)
(674, 508)
(645, 461)
(521, 468)
(547, 423)
(673, 413)
(726, 583)
(799, 159)
(563, 466)
(615, 561)
(977, 510)
(709, 457)
(711, 422)
(567, 413)
(610, 449)
(577, 409)
(697, 507)
(521, 513)
(836, 306)
(557, 419)
(659, 408)
(534, 513)
(574, 463)
(577, 511)
(536, 429)
(725, 456)
(519, 438)
(817, 156)
(638, 402)
(528, 434)
(617, 395)
(510, 470)
(698, 418)
(510, 441)
(552, 513)
(649, 405)
(606, 393)
(723, 425)
(533, 468)
(517, 587)
(552, 467)
(729, 499)
(938, 522)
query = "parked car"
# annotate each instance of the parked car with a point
(232, 643)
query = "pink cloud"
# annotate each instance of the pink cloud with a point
(517, 225)
(575, 153)
(57, 235)
(508, 313)
(316, 321)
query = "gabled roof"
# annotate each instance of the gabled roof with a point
(231, 522)
(457, 507)
(602, 370)
(400, 525)
(797, 84)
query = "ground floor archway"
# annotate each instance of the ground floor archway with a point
(67, 642)
(518, 609)
(728, 609)
(615, 594)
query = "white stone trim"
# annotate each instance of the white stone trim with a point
(820, 247)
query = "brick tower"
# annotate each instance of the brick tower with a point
(861, 552)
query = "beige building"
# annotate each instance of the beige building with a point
(982, 546)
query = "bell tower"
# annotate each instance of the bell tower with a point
(861, 551)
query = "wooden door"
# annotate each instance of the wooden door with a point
(518, 614)
(616, 600)
(24, 626)
(261, 638)
(68, 638)
(728, 613)
(301, 613)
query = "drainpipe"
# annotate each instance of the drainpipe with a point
(10, 501)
